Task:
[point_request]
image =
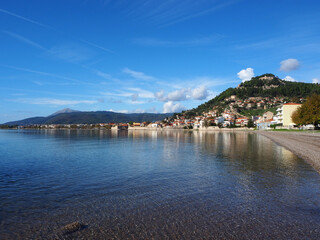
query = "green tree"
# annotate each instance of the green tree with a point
(206, 123)
(309, 112)
(250, 123)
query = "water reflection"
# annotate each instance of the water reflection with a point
(154, 184)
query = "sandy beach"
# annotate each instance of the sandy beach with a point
(305, 145)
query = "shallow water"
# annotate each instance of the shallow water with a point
(149, 184)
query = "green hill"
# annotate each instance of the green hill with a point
(259, 87)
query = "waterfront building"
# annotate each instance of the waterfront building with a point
(284, 114)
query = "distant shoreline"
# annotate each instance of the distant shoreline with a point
(208, 129)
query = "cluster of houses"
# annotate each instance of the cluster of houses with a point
(228, 118)
(237, 104)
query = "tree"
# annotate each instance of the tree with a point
(309, 112)
(206, 123)
(250, 123)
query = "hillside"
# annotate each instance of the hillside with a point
(90, 118)
(266, 88)
(65, 110)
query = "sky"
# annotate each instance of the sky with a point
(147, 55)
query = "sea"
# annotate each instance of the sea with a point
(166, 184)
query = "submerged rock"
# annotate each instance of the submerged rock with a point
(72, 227)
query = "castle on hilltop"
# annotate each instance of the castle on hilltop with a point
(265, 77)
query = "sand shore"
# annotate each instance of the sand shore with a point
(305, 145)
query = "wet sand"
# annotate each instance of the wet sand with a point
(305, 145)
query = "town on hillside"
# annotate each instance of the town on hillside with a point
(229, 118)
(264, 102)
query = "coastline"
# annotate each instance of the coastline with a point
(304, 145)
(208, 129)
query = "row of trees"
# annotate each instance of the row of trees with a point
(5, 126)
(309, 112)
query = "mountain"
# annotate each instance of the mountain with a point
(65, 110)
(268, 89)
(77, 117)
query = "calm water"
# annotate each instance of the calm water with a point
(161, 185)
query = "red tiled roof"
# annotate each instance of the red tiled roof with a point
(268, 120)
(292, 104)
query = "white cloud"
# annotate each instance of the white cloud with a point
(290, 79)
(138, 75)
(246, 74)
(316, 80)
(289, 65)
(170, 107)
(160, 96)
(52, 101)
(178, 95)
(200, 93)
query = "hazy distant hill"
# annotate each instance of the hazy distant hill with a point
(65, 110)
(77, 117)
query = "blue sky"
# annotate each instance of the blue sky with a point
(147, 56)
